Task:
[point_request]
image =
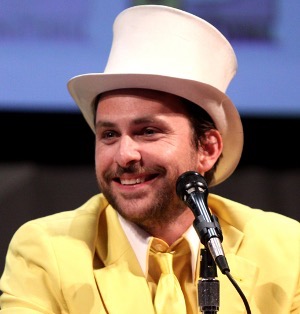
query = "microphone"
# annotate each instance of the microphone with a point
(191, 187)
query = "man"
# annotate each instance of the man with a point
(158, 110)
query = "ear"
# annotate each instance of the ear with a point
(210, 149)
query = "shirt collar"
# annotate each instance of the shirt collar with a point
(140, 239)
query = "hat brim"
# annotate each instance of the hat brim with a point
(84, 88)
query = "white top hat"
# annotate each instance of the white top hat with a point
(166, 49)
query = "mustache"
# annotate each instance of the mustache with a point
(133, 169)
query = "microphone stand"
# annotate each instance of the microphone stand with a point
(208, 285)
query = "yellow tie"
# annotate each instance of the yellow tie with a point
(169, 298)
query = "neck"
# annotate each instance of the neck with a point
(170, 231)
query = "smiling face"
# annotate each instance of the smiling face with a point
(143, 144)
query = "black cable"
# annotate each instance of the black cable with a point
(227, 273)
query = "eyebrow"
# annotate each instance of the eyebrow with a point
(137, 121)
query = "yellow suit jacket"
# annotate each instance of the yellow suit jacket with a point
(80, 262)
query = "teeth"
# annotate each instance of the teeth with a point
(132, 181)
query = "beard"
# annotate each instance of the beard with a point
(163, 208)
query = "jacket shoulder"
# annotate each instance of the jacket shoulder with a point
(244, 217)
(78, 223)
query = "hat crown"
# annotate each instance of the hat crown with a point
(161, 40)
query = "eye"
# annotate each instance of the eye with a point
(108, 134)
(149, 131)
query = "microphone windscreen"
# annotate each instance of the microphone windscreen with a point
(188, 180)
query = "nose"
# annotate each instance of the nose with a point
(128, 152)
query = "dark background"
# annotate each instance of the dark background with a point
(66, 139)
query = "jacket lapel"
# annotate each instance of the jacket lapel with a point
(122, 291)
(121, 283)
(243, 270)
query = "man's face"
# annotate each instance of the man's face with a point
(143, 144)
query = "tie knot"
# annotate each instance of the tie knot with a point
(178, 248)
(158, 245)
(168, 259)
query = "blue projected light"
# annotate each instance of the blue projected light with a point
(44, 44)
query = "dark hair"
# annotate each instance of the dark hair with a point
(201, 122)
